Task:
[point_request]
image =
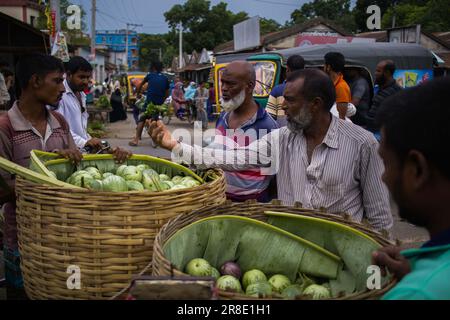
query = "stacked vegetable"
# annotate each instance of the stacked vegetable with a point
(255, 283)
(129, 178)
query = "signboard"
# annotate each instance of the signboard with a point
(60, 49)
(304, 40)
(247, 34)
(405, 35)
(411, 78)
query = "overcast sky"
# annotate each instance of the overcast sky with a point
(114, 14)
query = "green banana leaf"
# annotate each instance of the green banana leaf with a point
(352, 246)
(253, 245)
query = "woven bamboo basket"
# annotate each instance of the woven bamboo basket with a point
(108, 236)
(161, 266)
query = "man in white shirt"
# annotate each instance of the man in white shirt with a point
(73, 103)
(73, 106)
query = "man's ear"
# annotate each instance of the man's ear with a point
(35, 81)
(317, 104)
(416, 169)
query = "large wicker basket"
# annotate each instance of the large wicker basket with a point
(108, 236)
(161, 266)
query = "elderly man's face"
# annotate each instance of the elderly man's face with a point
(298, 111)
(235, 89)
(232, 85)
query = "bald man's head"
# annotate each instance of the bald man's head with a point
(384, 73)
(238, 81)
(241, 70)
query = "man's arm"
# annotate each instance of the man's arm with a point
(376, 204)
(7, 184)
(258, 154)
(343, 98)
(139, 88)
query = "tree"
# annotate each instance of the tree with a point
(334, 10)
(431, 14)
(149, 50)
(203, 26)
(268, 25)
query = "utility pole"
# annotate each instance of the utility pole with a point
(93, 32)
(126, 39)
(394, 14)
(181, 45)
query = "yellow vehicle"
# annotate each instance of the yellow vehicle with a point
(132, 81)
(266, 72)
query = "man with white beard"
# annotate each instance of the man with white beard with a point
(242, 122)
(321, 160)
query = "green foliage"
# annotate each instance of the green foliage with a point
(156, 110)
(96, 129)
(204, 26)
(103, 103)
(431, 14)
(337, 11)
(269, 25)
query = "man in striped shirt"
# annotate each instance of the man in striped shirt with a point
(320, 160)
(242, 122)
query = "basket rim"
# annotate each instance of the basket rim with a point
(75, 189)
(91, 157)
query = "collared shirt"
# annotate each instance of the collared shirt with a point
(430, 272)
(245, 184)
(344, 174)
(70, 108)
(343, 94)
(275, 102)
(17, 138)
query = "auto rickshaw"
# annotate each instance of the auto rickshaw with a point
(413, 62)
(132, 81)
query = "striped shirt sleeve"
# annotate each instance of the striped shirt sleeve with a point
(375, 193)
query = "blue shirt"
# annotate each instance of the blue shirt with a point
(158, 84)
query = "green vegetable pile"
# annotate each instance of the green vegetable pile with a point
(103, 103)
(254, 283)
(154, 110)
(129, 178)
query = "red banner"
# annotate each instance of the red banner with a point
(53, 31)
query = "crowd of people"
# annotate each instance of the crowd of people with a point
(321, 141)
